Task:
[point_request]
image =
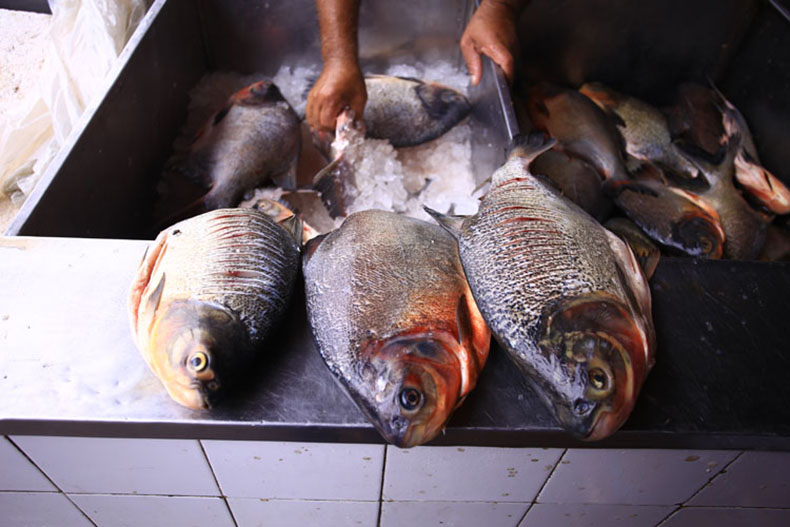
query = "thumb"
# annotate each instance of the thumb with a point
(473, 62)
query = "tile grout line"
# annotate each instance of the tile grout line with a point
(668, 516)
(60, 490)
(535, 499)
(523, 516)
(710, 480)
(216, 481)
(381, 488)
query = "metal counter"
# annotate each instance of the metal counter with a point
(68, 365)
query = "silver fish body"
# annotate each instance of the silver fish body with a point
(409, 112)
(256, 137)
(394, 321)
(207, 294)
(562, 295)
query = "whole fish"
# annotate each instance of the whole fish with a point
(207, 294)
(674, 217)
(254, 138)
(580, 127)
(394, 320)
(576, 179)
(562, 295)
(409, 112)
(643, 127)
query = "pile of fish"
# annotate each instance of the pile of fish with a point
(689, 177)
(402, 310)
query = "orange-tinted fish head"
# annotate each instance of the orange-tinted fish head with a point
(600, 359)
(196, 350)
(410, 386)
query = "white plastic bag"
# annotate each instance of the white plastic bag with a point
(85, 38)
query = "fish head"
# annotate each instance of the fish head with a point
(197, 348)
(443, 104)
(598, 355)
(409, 387)
(258, 93)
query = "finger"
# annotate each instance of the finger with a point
(473, 61)
(502, 56)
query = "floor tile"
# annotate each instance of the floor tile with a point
(724, 517)
(755, 479)
(39, 509)
(18, 473)
(632, 477)
(308, 471)
(153, 511)
(467, 473)
(450, 514)
(593, 515)
(250, 512)
(122, 466)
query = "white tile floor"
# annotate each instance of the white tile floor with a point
(79, 482)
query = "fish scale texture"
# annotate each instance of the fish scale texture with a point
(238, 258)
(526, 248)
(378, 275)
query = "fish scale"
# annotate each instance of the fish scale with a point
(237, 258)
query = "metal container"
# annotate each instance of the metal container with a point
(102, 185)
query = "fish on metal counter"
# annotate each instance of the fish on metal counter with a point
(643, 127)
(580, 127)
(254, 138)
(206, 295)
(395, 322)
(409, 112)
(562, 295)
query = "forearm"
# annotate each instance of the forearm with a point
(337, 21)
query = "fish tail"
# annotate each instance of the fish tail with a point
(529, 146)
(334, 184)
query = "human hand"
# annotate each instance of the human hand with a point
(492, 32)
(340, 85)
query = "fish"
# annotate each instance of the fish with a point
(580, 128)
(645, 251)
(336, 183)
(254, 138)
(744, 227)
(393, 318)
(759, 183)
(644, 129)
(694, 118)
(564, 297)
(676, 218)
(280, 213)
(576, 179)
(208, 293)
(408, 112)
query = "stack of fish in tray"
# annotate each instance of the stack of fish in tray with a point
(402, 310)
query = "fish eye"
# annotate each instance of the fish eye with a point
(198, 361)
(213, 386)
(410, 398)
(598, 378)
(582, 407)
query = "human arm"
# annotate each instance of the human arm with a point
(341, 83)
(492, 31)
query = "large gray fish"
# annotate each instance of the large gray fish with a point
(643, 127)
(256, 137)
(562, 295)
(580, 127)
(409, 112)
(394, 320)
(207, 294)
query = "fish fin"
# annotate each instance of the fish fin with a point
(293, 224)
(310, 247)
(287, 180)
(481, 185)
(219, 116)
(645, 251)
(529, 146)
(451, 224)
(334, 184)
(464, 322)
(152, 302)
(412, 79)
(614, 188)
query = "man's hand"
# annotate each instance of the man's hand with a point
(492, 32)
(341, 85)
